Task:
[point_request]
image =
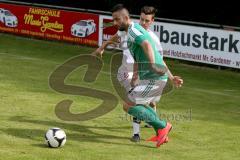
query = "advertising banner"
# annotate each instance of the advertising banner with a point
(48, 23)
(199, 44)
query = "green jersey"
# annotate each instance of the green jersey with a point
(136, 35)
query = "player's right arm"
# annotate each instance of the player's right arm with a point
(148, 50)
(99, 51)
(140, 39)
(176, 80)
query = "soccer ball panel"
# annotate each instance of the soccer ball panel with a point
(60, 134)
(55, 137)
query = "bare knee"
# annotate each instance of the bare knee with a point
(126, 106)
(153, 104)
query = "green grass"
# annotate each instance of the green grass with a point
(27, 106)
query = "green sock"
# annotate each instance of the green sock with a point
(148, 115)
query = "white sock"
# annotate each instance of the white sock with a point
(155, 109)
(136, 128)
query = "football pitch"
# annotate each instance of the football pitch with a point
(205, 112)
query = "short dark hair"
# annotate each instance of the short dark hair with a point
(149, 10)
(117, 7)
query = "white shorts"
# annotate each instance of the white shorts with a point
(124, 77)
(147, 91)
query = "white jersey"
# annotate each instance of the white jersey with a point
(125, 71)
(127, 60)
(156, 41)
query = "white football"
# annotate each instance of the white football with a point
(55, 137)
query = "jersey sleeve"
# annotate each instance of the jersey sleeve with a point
(136, 36)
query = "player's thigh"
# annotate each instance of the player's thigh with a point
(124, 73)
(124, 77)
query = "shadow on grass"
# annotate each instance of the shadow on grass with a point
(83, 133)
(68, 126)
(41, 145)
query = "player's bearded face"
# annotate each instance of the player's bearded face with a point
(118, 21)
(121, 27)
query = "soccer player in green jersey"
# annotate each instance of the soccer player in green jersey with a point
(152, 73)
(147, 16)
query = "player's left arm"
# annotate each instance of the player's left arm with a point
(176, 80)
